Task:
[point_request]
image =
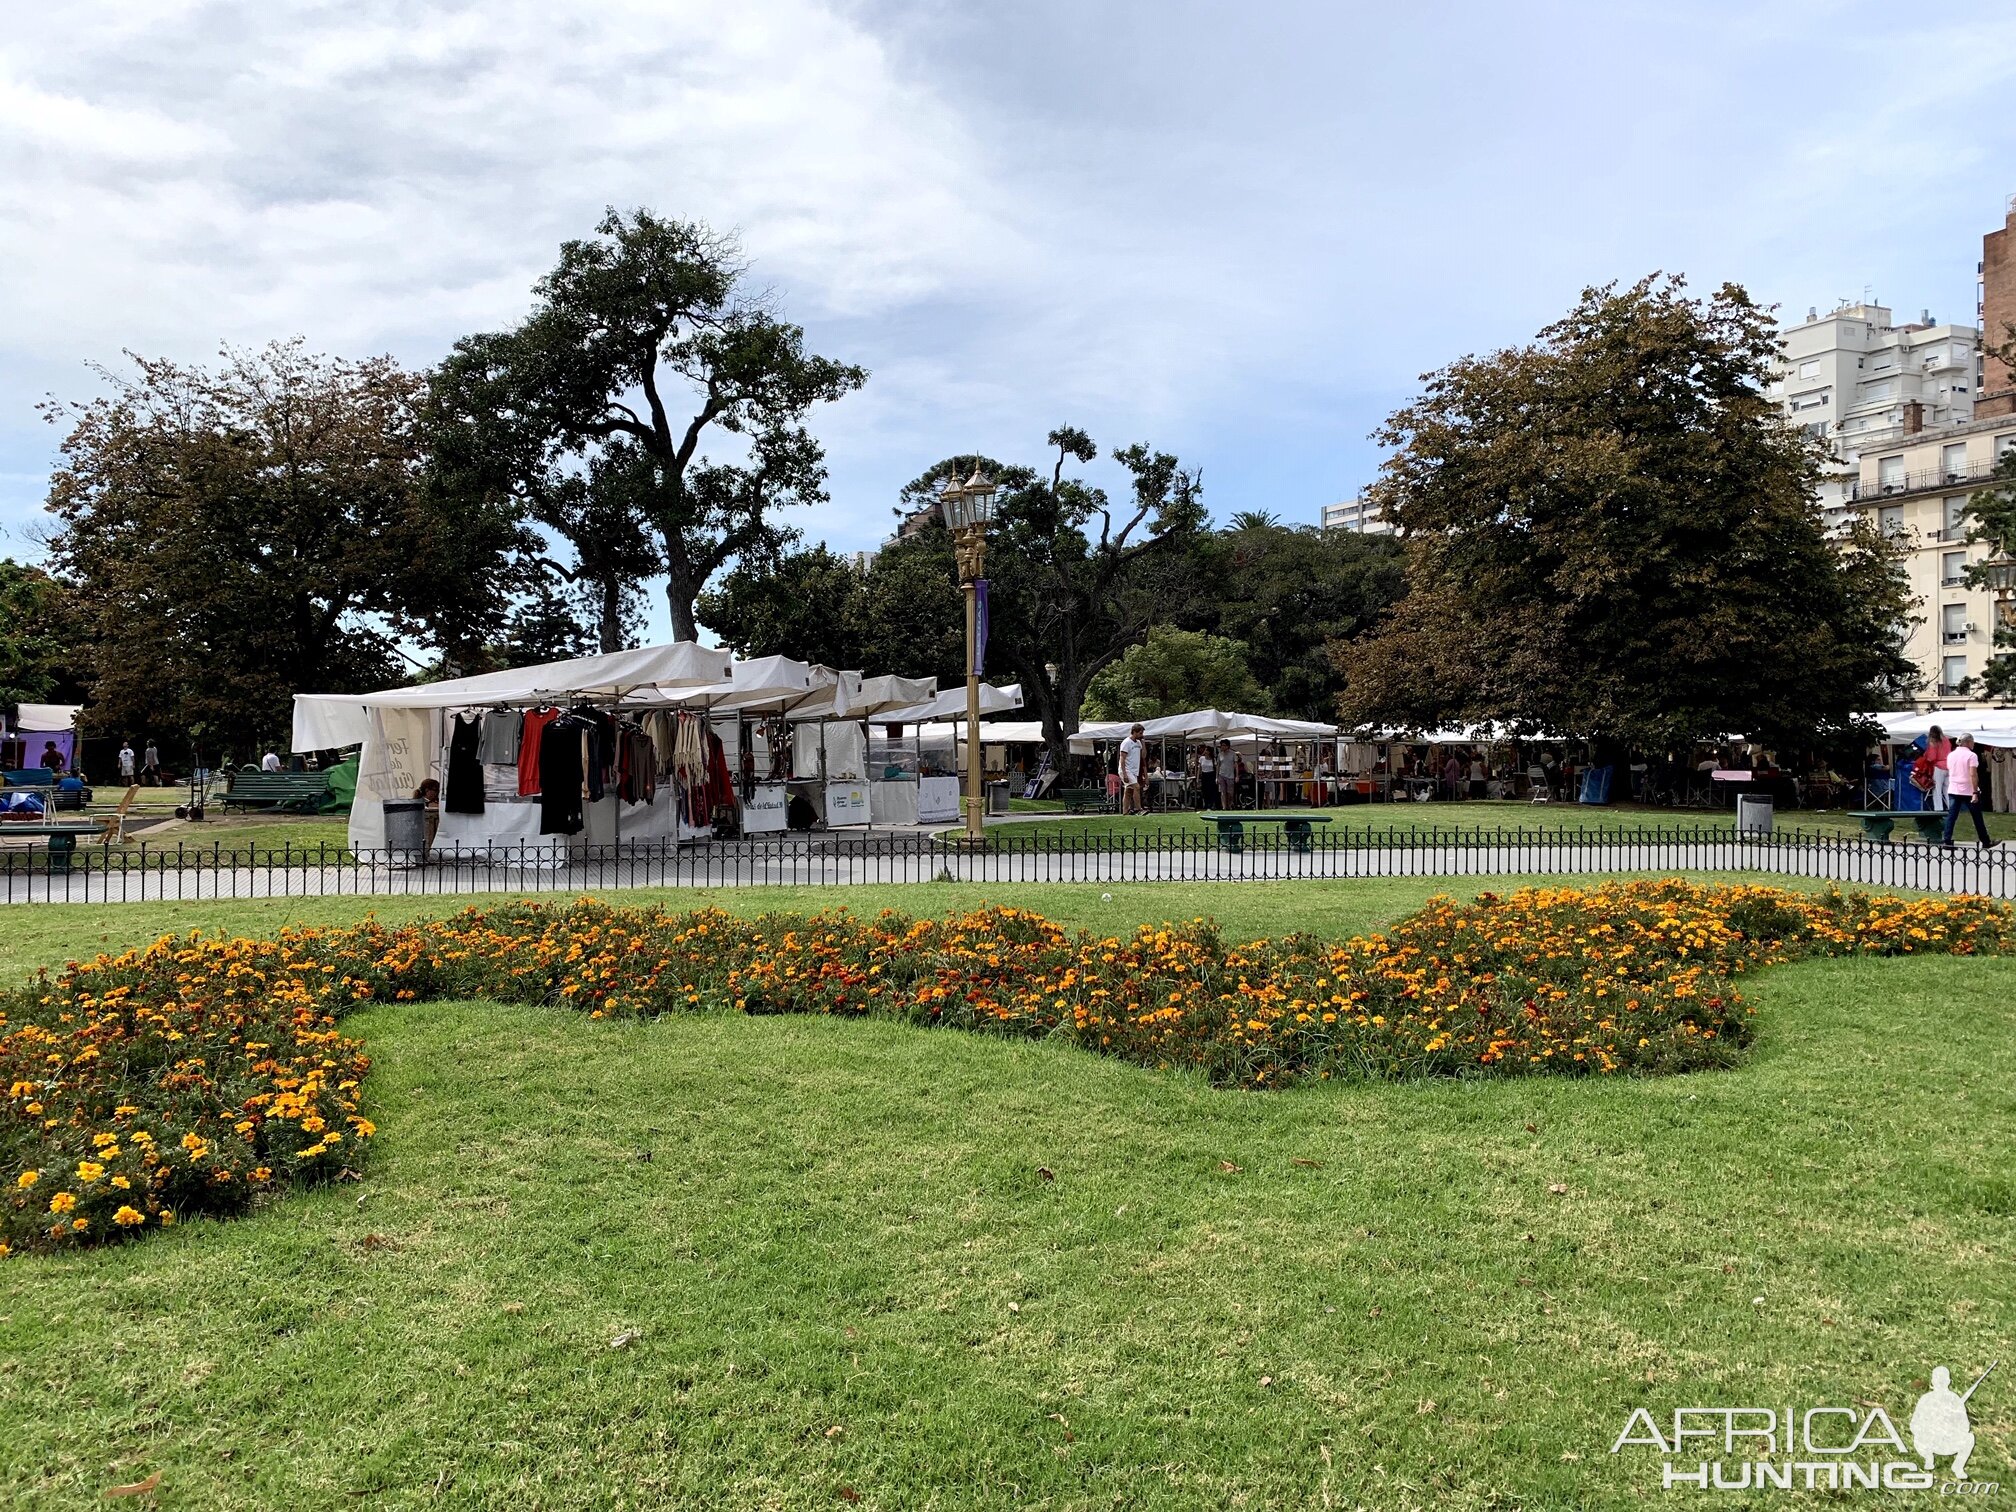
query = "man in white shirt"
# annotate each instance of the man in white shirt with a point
(271, 762)
(1133, 760)
(126, 760)
(1963, 790)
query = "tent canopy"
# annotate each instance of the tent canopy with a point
(47, 719)
(323, 721)
(1996, 727)
(951, 704)
(1218, 724)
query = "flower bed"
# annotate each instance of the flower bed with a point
(199, 1074)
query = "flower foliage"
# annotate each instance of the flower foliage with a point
(198, 1074)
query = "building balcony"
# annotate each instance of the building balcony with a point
(1921, 482)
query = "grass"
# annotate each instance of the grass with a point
(847, 1226)
(1482, 814)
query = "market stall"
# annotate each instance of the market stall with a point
(935, 755)
(546, 760)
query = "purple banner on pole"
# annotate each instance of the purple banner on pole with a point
(980, 627)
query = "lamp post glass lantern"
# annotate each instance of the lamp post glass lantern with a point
(968, 506)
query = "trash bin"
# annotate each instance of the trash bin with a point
(1753, 814)
(997, 797)
(406, 829)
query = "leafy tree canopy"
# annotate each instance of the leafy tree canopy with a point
(1991, 520)
(241, 534)
(39, 652)
(1611, 533)
(1075, 579)
(641, 345)
(1172, 672)
(1286, 592)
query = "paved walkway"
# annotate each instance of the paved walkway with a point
(841, 861)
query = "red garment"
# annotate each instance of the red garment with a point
(721, 786)
(1938, 750)
(536, 721)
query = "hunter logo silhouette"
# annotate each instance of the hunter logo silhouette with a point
(1939, 1425)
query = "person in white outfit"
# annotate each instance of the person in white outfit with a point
(1133, 762)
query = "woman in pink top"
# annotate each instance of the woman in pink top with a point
(1938, 750)
(1963, 790)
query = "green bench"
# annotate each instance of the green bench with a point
(1299, 828)
(1077, 800)
(1877, 823)
(62, 839)
(283, 792)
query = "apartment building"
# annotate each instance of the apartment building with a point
(1359, 514)
(1858, 380)
(1916, 491)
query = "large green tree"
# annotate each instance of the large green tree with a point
(1991, 521)
(1285, 593)
(1075, 579)
(240, 534)
(642, 344)
(1611, 533)
(40, 650)
(900, 613)
(1173, 672)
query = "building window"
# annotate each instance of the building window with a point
(1890, 473)
(1809, 369)
(1956, 509)
(1952, 569)
(1952, 673)
(1953, 624)
(1877, 390)
(1890, 519)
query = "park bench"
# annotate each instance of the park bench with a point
(1876, 823)
(1299, 828)
(283, 792)
(1077, 800)
(62, 838)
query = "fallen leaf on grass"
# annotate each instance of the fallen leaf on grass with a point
(626, 1338)
(137, 1488)
(1266, 1380)
(1226, 1165)
(1046, 1173)
(1558, 1188)
(835, 1431)
(374, 1242)
(848, 1494)
(1314, 1165)
(1532, 1128)
(514, 1307)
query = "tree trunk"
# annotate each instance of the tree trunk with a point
(612, 613)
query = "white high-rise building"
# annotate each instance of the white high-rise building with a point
(1858, 381)
(1359, 514)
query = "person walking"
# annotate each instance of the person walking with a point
(1963, 791)
(1133, 760)
(1207, 777)
(126, 761)
(1938, 749)
(150, 764)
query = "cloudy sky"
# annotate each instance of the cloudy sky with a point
(1238, 231)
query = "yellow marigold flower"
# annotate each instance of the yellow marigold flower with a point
(78, 1225)
(127, 1217)
(27, 1179)
(89, 1171)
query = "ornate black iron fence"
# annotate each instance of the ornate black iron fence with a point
(185, 871)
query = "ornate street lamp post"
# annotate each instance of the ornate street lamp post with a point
(968, 507)
(1999, 572)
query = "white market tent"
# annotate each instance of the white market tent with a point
(401, 729)
(951, 704)
(1217, 724)
(1996, 727)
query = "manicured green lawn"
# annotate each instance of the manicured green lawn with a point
(1480, 814)
(851, 1277)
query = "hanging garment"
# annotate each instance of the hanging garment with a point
(529, 740)
(720, 785)
(463, 793)
(560, 746)
(499, 746)
(663, 728)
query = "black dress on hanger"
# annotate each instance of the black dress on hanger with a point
(464, 791)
